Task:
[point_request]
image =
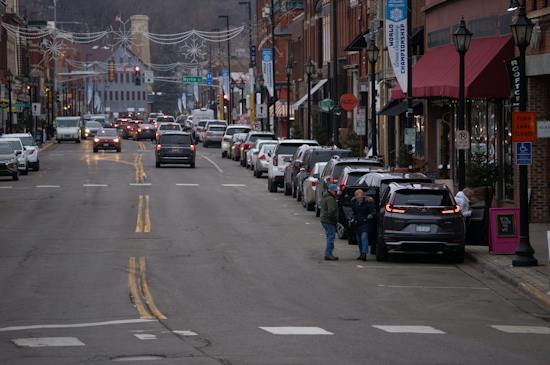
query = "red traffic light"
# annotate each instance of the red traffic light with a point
(137, 68)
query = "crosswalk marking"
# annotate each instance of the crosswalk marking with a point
(145, 336)
(296, 331)
(47, 342)
(48, 186)
(410, 329)
(536, 330)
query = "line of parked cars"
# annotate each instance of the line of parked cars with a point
(415, 214)
(18, 154)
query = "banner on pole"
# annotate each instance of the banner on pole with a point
(267, 69)
(225, 77)
(397, 39)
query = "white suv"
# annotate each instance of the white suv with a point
(281, 158)
(30, 146)
(229, 132)
(21, 153)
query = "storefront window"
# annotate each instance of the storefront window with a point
(420, 127)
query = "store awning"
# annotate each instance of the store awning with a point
(314, 89)
(436, 73)
(396, 107)
(358, 43)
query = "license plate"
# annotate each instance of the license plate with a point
(423, 228)
(105, 145)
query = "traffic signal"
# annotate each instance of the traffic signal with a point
(137, 75)
(111, 71)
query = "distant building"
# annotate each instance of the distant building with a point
(141, 45)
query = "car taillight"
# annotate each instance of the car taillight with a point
(455, 210)
(159, 147)
(128, 127)
(313, 183)
(275, 160)
(342, 186)
(139, 130)
(247, 146)
(227, 138)
(96, 140)
(192, 148)
(391, 209)
(262, 157)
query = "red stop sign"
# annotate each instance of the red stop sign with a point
(348, 102)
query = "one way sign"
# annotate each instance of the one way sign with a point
(36, 109)
(261, 111)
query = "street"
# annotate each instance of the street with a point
(104, 257)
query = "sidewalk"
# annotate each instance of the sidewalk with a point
(48, 144)
(532, 281)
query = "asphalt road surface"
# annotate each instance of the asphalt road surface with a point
(105, 258)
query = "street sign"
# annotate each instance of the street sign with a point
(191, 79)
(462, 140)
(148, 76)
(253, 56)
(209, 79)
(261, 111)
(543, 129)
(348, 102)
(524, 127)
(360, 127)
(36, 109)
(524, 153)
(410, 136)
(327, 105)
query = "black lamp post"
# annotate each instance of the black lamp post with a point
(230, 108)
(9, 76)
(288, 74)
(522, 29)
(260, 81)
(29, 92)
(372, 52)
(310, 68)
(461, 37)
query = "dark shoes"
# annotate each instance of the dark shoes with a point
(331, 258)
(362, 257)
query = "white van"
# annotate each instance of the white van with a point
(68, 129)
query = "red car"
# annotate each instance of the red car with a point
(107, 139)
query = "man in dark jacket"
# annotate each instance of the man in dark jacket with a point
(364, 212)
(328, 220)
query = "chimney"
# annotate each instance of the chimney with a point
(141, 45)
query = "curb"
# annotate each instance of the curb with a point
(46, 145)
(532, 292)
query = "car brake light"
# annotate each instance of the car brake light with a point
(391, 209)
(262, 157)
(455, 210)
(313, 183)
(159, 147)
(128, 127)
(247, 146)
(192, 148)
(227, 138)
(275, 160)
(96, 140)
(342, 186)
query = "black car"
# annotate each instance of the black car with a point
(175, 148)
(144, 131)
(8, 161)
(420, 217)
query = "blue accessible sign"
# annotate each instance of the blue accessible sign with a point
(524, 153)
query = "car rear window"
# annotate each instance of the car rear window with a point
(255, 137)
(232, 131)
(324, 156)
(170, 127)
(339, 168)
(216, 128)
(5, 148)
(354, 177)
(288, 148)
(175, 139)
(423, 198)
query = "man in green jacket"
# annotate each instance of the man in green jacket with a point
(328, 220)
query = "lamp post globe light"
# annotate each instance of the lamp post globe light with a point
(522, 30)
(310, 68)
(461, 38)
(288, 70)
(372, 52)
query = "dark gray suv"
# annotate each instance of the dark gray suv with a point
(420, 217)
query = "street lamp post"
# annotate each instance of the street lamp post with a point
(522, 29)
(310, 68)
(260, 83)
(461, 37)
(372, 52)
(230, 108)
(29, 92)
(9, 76)
(288, 74)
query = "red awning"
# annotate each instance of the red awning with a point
(436, 73)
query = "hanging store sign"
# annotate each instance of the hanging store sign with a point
(267, 69)
(515, 79)
(397, 39)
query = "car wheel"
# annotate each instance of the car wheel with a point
(26, 171)
(317, 211)
(458, 256)
(258, 174)
(224, 154)
(77, 141)
(15, 176)
(157, 164)
(341, 231)
(381, 251)
(95, 150)
(59, 141)
(294, 191)
(118, 150)
(37, 166)
(287, 189)
(310, 207)
(192, 165)
(272, 187)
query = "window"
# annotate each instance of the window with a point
(138, 95)
(438, 38)
(127, 95)
(127, 77)
(122, 95)
(483, 27)
(134, 95)
(326, 32)
(144, 96)
(116, 95)
(110, 95)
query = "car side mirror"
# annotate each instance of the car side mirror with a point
(17, 153)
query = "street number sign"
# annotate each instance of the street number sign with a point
(348, 102)
(261, 111)
(524, 127)
(524, 153)
(462, 141)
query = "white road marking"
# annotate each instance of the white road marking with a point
(6, 187)
(213, 164)
(95, 185)
(75, 325)
(140, 184)
(296, 331)
(536, 330)
(234, 185)
(145, 336)
(431, 287)
(187, 184)
(308, 223)
(47, 342)
(48, 186)
(360, 266)
(185, 333)
(410, 329)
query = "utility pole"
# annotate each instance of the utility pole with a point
(230, 108)
(273, 69)
(410, 112)
(335, 119)
(54, 36)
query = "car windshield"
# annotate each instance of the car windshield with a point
(67, 123)
(202, 123)
(232, 131)
(216, 129)
(255, 137)
(5, 148)
(288, 148)
(170, 127)
(107, 133)
(14, 144)
(93, 124)
(423, 198)
(27, 141)
(175, 139)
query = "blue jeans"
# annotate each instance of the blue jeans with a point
(363, 241)
(330, 231)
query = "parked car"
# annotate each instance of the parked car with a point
(255, 151)
(166, 127)
(332, 172)
(309, 185)
(236, 138)
(199, 128)
(30, 146)
(249, 143)
(208, 123)
(227, 137)
(175, 147)
(214, 134)
(281, 157)
(8, 161)
(420, 217)
(143, 131)
(264, 156)
(310, 158)
(107, 139)
(292, 170)
(20, 152)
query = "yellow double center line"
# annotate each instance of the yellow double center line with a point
(143, 223)
(139, 290)
(141, 146)
(140, 170)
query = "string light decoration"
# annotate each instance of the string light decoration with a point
(194, 49)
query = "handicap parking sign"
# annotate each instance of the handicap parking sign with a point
(524, 153)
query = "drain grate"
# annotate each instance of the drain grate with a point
(139, 358)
